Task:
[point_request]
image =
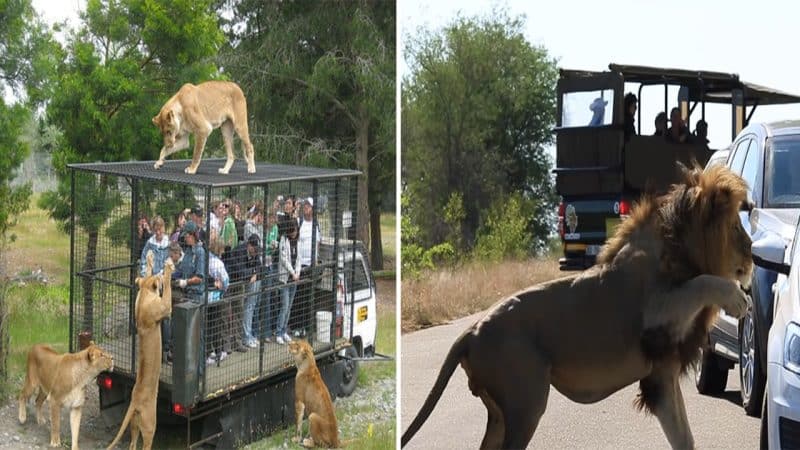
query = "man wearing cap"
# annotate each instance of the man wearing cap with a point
(193, 265)
(198, 218)
(307, 251)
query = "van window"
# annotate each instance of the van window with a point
(750, 170)
(589, 108)
(738, 157)
(782, 183)
(356, 276)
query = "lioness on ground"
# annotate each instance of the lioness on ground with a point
(150, 309)
(61, 379)
(311, 397)
(198, 110)
(641, 314)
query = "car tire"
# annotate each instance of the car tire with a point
(751, 375)
(711, 374)
(763, 442)
(349, 373)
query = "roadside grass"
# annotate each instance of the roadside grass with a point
(39, 244)
(442, 295)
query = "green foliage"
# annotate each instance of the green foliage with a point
(478, 109)
(415, 257)
(323, 92)
(505, 232)
(123, 63)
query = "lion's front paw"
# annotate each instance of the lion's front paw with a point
(308, 443)
(55, 442)
(739, 304)
(23, 415)
(190, 170)
(251, 169)
(158, 164)
(223, 170)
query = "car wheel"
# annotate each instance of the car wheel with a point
(751, 377)
(711, 375)
(763, 443)
(349, 373)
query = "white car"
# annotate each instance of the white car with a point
(780, 418)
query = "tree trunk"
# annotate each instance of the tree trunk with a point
(362, 164)
(88, 284)
(375, 247)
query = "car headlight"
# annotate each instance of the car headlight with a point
(791, 348)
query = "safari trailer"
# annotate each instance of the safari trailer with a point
(600, 173)
(246, 395)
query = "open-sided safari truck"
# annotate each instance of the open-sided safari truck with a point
(246, 395)
(600, 173)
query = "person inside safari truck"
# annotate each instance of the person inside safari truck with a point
(677, 132)
(630, 111)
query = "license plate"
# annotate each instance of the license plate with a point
(362, 313)
(592, 250)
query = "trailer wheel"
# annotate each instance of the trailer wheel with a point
(349, 373)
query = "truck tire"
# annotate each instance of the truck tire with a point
(711, 375)
(349, 373)
(751, 375)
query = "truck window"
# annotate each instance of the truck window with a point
(587, 108)
(359, 275)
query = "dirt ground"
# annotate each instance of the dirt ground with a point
(97, 434)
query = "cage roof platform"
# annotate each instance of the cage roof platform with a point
(208, 174)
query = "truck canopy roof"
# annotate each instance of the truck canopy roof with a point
(703, 85)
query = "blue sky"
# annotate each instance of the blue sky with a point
(751, 39)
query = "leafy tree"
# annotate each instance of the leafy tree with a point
(24, 45)
(478, 109)
(123, 62)
(323, 91)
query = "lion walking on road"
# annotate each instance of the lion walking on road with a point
(641, 314)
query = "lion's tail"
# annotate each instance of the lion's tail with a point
(449, 365)
(124, 426)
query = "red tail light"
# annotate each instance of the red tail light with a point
(105, 382)
(624, 208)
(561, 231)
(178, 409)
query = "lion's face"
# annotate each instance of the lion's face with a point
(301, 351)
(169, 124)
(717, 242)
(99, 359)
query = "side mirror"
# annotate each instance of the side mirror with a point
(768, 252)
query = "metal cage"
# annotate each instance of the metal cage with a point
(206, 351)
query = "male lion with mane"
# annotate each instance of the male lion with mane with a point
(641, 314)
(61, 379)
(199, 110)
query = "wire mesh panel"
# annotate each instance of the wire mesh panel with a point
(258, 263)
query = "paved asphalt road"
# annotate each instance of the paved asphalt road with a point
(459, 419)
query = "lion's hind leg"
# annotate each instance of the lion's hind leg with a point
(247, 146)
(495, 425)
(40, 398)
(227, 139)
(25, 394)
(514, 408)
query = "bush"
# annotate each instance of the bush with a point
(505, 232)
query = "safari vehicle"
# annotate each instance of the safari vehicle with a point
(238, 398)
(599, 174)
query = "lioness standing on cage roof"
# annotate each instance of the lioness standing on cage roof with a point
(199, 110)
